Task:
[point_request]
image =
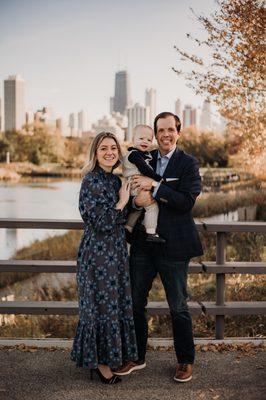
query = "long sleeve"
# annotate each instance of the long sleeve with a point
(189, 188)
(136, 158)
(97, 205)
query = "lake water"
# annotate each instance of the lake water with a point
(46, 199)
(38, 198)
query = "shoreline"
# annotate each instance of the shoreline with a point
(15, 171)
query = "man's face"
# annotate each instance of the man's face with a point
(167, 134)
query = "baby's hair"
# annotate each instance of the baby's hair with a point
(141, 126)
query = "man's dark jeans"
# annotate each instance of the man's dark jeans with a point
(146, 261)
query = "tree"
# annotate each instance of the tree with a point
(208, 147)
(41, 147)
(233, 76)
(4, 148)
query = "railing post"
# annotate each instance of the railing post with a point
(220, 283)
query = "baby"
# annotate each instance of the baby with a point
(136, 162)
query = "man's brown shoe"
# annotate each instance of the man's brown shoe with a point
(183, 372)
(128, 367)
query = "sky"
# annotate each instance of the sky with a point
(69, 50)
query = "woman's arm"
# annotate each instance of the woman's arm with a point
(98, 208)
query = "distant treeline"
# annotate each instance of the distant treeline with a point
(209, 148)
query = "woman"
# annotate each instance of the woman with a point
(105, 335)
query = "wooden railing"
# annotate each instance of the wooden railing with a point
(219, 309)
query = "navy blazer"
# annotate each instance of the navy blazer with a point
(176, 197)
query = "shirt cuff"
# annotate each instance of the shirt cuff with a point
(156, 190)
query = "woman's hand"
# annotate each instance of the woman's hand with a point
(124, 194)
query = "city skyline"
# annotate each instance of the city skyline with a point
(126, 115)
(70, 63)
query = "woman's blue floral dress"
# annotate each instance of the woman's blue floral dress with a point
(105, 333)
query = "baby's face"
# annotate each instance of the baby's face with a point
(143, 139)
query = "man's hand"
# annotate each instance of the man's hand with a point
(144, 199)
(141, 182)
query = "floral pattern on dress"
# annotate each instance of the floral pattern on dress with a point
(105, 332)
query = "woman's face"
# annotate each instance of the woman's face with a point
(107, 154)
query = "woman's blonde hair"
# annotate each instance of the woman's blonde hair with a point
(92, 158)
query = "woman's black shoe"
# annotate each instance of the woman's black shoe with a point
(110, 381)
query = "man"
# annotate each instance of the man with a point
(176, 195)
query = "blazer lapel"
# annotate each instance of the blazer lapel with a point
(173, 162)
(153, 162)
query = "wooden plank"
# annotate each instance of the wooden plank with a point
(208, 267)
(154, 308)
(258, 226)
(220, 283)
(235, 308)
(237, 267)
(37, 266)
(161, 308)
(56, 266)
(195, 268)
(71, 307)
(30, 223)
(39, 307)
(154, 342)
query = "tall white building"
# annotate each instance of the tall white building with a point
(136, 115)
(178, 109)
(150, 101)
(205, 118)
(190, 117)
(14, 103)
(82, 122)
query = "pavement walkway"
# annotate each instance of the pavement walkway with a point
(49, 374)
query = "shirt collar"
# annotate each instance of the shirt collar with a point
(168, 155)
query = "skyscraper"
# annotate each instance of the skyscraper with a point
(122, 92)
(178, 108)
(14, 102)
(189, 116)
(150, 101)
(205, 118)
(136, 115)
(82, 122)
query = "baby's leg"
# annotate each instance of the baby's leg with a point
(132, 220)
(151, 217)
